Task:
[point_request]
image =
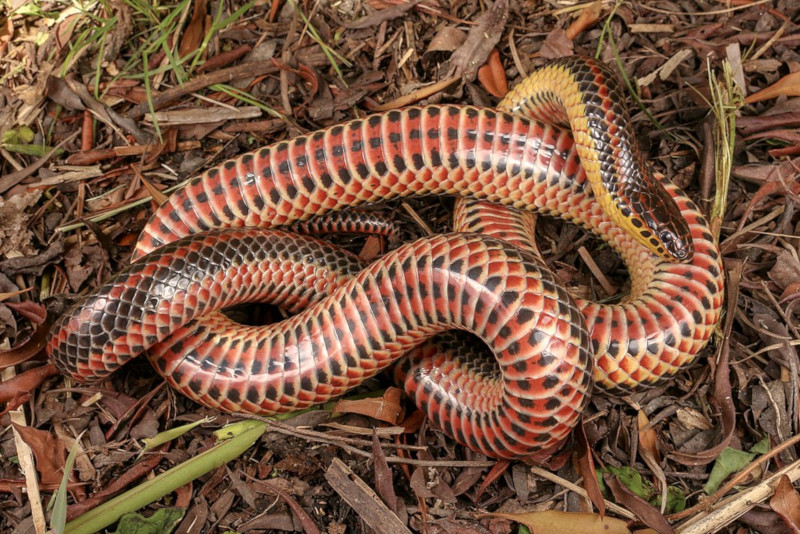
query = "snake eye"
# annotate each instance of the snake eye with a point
(671, 244)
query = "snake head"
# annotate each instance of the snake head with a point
(655, 220)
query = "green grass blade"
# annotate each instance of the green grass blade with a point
(726, 100)
(172, 433)
(166, 482)
(59, 518)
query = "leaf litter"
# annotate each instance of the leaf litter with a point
(238, 79)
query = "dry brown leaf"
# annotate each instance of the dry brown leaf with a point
(372, 248)
(383, 474)
(64, 29)
(648, 450)
(466, 480)
(786, 270)
(223, 59)
(425, 92)
(81, 263)
(300, 514)
(643, 510)
(193, 35)
(496, 472)
(760, 174)
(691, 418)
(789, 85)
(764, 521)
(786, 502)
(557, 44)
(791, 292)
(447, 39)
(419, 485)
(492, 75)
(48, 451)
(589, 15)
(158, 197)
(733, 53)
(32, 311)
(387, 408)
(556, 522)
(584, 463)
(383, 14)
(15, 236)
(22, 384)
(648, 438)
(59, 92)
(24, 350)
(480, 41)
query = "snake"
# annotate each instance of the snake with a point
(218, 242)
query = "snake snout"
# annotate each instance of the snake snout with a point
(678, 248)
(661, 227)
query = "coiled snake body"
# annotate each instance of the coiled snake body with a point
(355, 322)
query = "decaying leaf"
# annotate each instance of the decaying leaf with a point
(557, 44)
(584, 463)
(556, 522)
(15, 237)
(786, 502)
(492, 75)
(83, 262)
(387, 408)
(789, 85)
(447, 39)
(49, 453)
(383, 475)
(786, 270)
(639, 506)
(388, 13)
(648, 438)
(691, 418)
(480, 41)
(193, 35)
(589, 15)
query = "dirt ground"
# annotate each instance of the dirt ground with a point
(107, 107)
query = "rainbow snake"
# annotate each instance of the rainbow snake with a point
(218, 242)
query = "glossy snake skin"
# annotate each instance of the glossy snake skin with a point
(459, 281)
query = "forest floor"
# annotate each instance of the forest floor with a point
(106, 107)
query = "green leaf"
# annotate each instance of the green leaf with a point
(163, 521)
(676, 500)
(30, 9)
(762, 447)
(598, 474)
(730, 461)
(25, 134)
(30, 150)
(632, 480)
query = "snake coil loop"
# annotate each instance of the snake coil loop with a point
(356, 320)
